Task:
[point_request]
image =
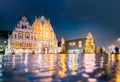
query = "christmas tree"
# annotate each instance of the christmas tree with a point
(90, 45)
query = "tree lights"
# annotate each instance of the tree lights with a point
(90, 45)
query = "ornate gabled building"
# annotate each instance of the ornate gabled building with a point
(46, 41)
(22, 38)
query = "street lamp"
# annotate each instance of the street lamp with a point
(111, 48)
(118, 39)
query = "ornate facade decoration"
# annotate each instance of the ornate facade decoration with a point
(22, 39)
(45, 37)
(40, 38)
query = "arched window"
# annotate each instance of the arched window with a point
(22, 27)
(42, 22)
(13, 43)
(25, 27)
(20, 36)
(27, 37)
(20, 44)
(27, 44)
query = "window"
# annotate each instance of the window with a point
(80, 44)
(25, 27)
(22, 27)
(13, 43)
(27, 37)
(15, 35)
(42, 22)
(27, 44)
(74, 43)
(20, 36)
(20, 44)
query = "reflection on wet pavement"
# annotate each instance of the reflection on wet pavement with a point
(53, 68)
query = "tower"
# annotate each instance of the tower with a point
(62, 45)
(90, 45)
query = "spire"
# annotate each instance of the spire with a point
(42, 17)
(62, 40)
(62, 45)
(35, 18)
(24, 11)
(24, 19)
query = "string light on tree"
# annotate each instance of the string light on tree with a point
(90, 45)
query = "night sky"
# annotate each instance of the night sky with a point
(70, 18)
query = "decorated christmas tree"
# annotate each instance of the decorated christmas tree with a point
(89, 45)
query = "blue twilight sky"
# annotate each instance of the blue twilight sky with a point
(70, 18)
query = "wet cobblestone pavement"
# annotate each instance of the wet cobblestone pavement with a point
(53, 68)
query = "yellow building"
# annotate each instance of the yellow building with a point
(40, 38)
(22, 39)
(45, 37)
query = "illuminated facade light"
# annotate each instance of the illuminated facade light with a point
(22, 38)
(70, 43)
(45, 36)
(73, 44)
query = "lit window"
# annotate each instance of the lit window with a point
(5, 41)
(20, 36)
(80, 44)
(73, 43)
(70, 43)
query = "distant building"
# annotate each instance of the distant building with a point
(3, 40)
(3, 44)
(22, 39)
(75, 45)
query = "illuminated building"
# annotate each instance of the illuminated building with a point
(118, 69)
(3, 44)
(74, 46)
(22, 39)
(3, 40)
(45, 36)
(90, 44)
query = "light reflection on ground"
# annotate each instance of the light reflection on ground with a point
(52, 68)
